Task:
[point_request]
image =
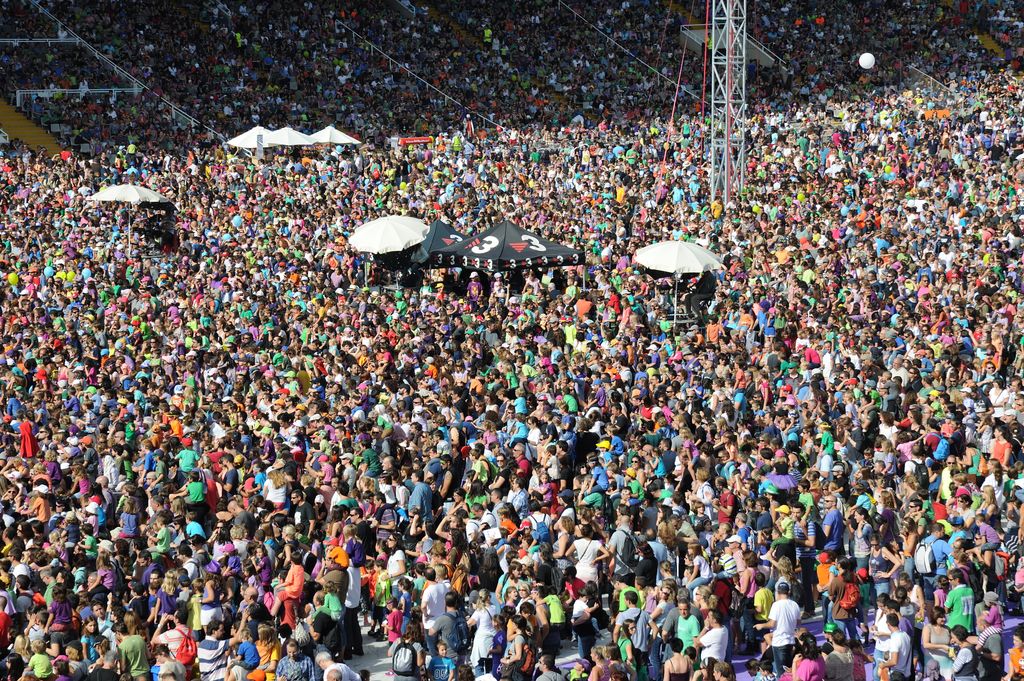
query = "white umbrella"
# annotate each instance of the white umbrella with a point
(389, 234)
(247, 140)
(677, 257)
(331, 135)
(288, 137)
(128, 193)
(132, 194)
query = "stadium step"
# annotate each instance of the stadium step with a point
(19, 127)
(989, 43)
(986, 40)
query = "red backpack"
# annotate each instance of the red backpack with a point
(187, 649)
(851, 596)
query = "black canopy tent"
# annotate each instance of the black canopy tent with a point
(506, 247)
(440, 236)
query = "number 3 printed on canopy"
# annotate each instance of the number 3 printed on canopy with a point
(534, 243)
(486, 245)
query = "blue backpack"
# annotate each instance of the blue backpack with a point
(941, 450)
(459, 641)
(541, 532)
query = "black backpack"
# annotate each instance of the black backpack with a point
(630, 549)
(820, 538)
(921, 474)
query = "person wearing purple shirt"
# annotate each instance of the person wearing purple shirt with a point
(60, 611)
(988, 535)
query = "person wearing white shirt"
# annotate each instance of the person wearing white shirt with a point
(899, 649)
(713, 641)
(783, 619)
(432, 604)
(335, 671)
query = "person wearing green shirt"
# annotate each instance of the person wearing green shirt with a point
(162, 539)
(372, 459)
(959, 603)
(187, 458)
(689, 625)
(132, 649)
(556, 612)
(332, 605)
(828, 441)
(196, 491)
(622, 597)
(91, 545)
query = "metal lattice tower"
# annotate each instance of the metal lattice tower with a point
(728, 49)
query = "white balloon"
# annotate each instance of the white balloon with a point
(867, 60)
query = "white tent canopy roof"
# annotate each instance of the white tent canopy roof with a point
(388, 234)
(288, 137)
(331, 135)
(247, 140)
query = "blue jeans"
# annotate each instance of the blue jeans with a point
(747, 626)
(584, 644)
(879, 658)
(782, 658)
(655, 659)
(850, 624)
(697, 583)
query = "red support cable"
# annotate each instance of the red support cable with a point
(727, 189)
(675, 101)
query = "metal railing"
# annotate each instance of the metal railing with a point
(4, 139)
(751, 40)
(177, 113)
(38, 41)
(49, 93)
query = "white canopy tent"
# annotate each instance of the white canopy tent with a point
(288, 137)
(249, 138)
(331, 135)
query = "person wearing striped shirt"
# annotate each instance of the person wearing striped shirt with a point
(804, 534)
(965, 663)
(213, 653)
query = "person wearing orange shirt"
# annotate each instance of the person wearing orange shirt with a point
(1017, 655)
(825, 569)
(1001, 448)
(289, 591)
(39, 507)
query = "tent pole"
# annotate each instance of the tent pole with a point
(675, 301)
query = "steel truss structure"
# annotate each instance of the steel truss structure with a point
(728, 59)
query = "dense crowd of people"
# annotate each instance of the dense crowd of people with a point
(251, 458)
